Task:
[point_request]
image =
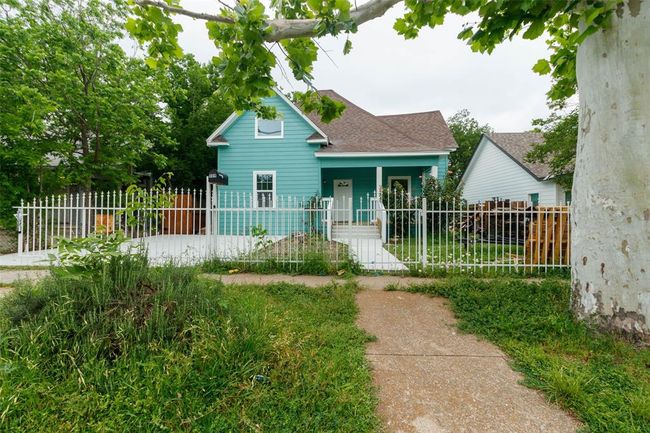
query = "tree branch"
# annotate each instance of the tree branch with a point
(284, 28)
(289, 29)
(181, 11)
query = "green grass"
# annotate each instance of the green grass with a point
(147, 350)
(603, 380)
(447, 251)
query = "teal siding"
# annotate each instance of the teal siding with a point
(292, 158)
(443, 166)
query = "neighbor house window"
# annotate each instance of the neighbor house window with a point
(533, 198)
(567, 197)
(403, 181)
(269, 128)
(264, 188)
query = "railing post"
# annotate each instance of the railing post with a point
(83, 213)
(423, 233)
(19, 224)
(208, 208)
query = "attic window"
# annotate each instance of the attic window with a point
(269, 128)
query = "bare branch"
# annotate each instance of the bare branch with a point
(284, 28)
(181, 11)
(294, 28)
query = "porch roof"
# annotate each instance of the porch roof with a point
(379, 160)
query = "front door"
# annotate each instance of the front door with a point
(342, 195)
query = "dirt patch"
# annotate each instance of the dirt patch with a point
(297, 245)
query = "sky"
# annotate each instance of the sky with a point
(386, 74)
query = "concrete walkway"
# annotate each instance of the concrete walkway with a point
(431, 378)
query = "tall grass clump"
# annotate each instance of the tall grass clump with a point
(127, 347)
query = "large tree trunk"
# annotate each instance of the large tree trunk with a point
(611, 191)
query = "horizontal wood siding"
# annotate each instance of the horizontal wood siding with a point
(291, 157)
(492, 173)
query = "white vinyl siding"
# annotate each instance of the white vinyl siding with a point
(493, 174)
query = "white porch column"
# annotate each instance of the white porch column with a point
(378, 184)
(434, 171)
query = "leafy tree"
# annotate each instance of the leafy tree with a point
(600, 46)
(75, 109)
(467, 133)
(559, 147)
(194, 112)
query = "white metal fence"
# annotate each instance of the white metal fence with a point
(391, 231)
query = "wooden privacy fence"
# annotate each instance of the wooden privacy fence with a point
(391, 231)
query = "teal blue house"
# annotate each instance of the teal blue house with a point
(297, 156)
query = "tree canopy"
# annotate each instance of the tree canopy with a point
(244, 33)
(558, 149)
(77, 111)
(467, 132)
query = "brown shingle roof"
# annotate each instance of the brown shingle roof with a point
(428, 128)
(518, 145)
(360, 131)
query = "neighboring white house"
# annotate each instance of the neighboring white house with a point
(499, 170)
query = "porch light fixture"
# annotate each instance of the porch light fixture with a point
(217, 178)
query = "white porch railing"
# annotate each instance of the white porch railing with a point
(388, 232)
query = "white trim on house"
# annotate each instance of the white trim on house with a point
(317, 141)
(266, 137)
(408, 182)
(376, 154)
(255, 191)
(226, 124)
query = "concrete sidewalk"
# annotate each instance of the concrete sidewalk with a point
(431, 378)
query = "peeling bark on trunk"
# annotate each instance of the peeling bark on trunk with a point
(611, 191)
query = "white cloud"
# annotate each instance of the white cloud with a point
(386, 74)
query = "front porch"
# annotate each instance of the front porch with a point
(352, 189)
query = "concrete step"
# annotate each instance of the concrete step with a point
(355, 232)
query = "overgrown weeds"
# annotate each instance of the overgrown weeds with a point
(603, 379)
(146, 349)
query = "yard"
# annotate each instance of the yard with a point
(161, 350)
(446, 251)
(152, 349)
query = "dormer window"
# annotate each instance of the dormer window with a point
(269, 128)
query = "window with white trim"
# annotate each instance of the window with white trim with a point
(264, 188)
(403, 181)
(269, 128)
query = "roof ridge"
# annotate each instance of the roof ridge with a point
(409, 114)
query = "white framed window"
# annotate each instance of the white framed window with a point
(403, 181)
(264, 189)
(269, 128)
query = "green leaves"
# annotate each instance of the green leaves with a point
(327, 108)
(542, 67)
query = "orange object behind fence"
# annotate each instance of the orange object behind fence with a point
(104, 224)
(549, 237)
(180, 219)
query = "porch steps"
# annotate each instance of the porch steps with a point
(346, 231)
